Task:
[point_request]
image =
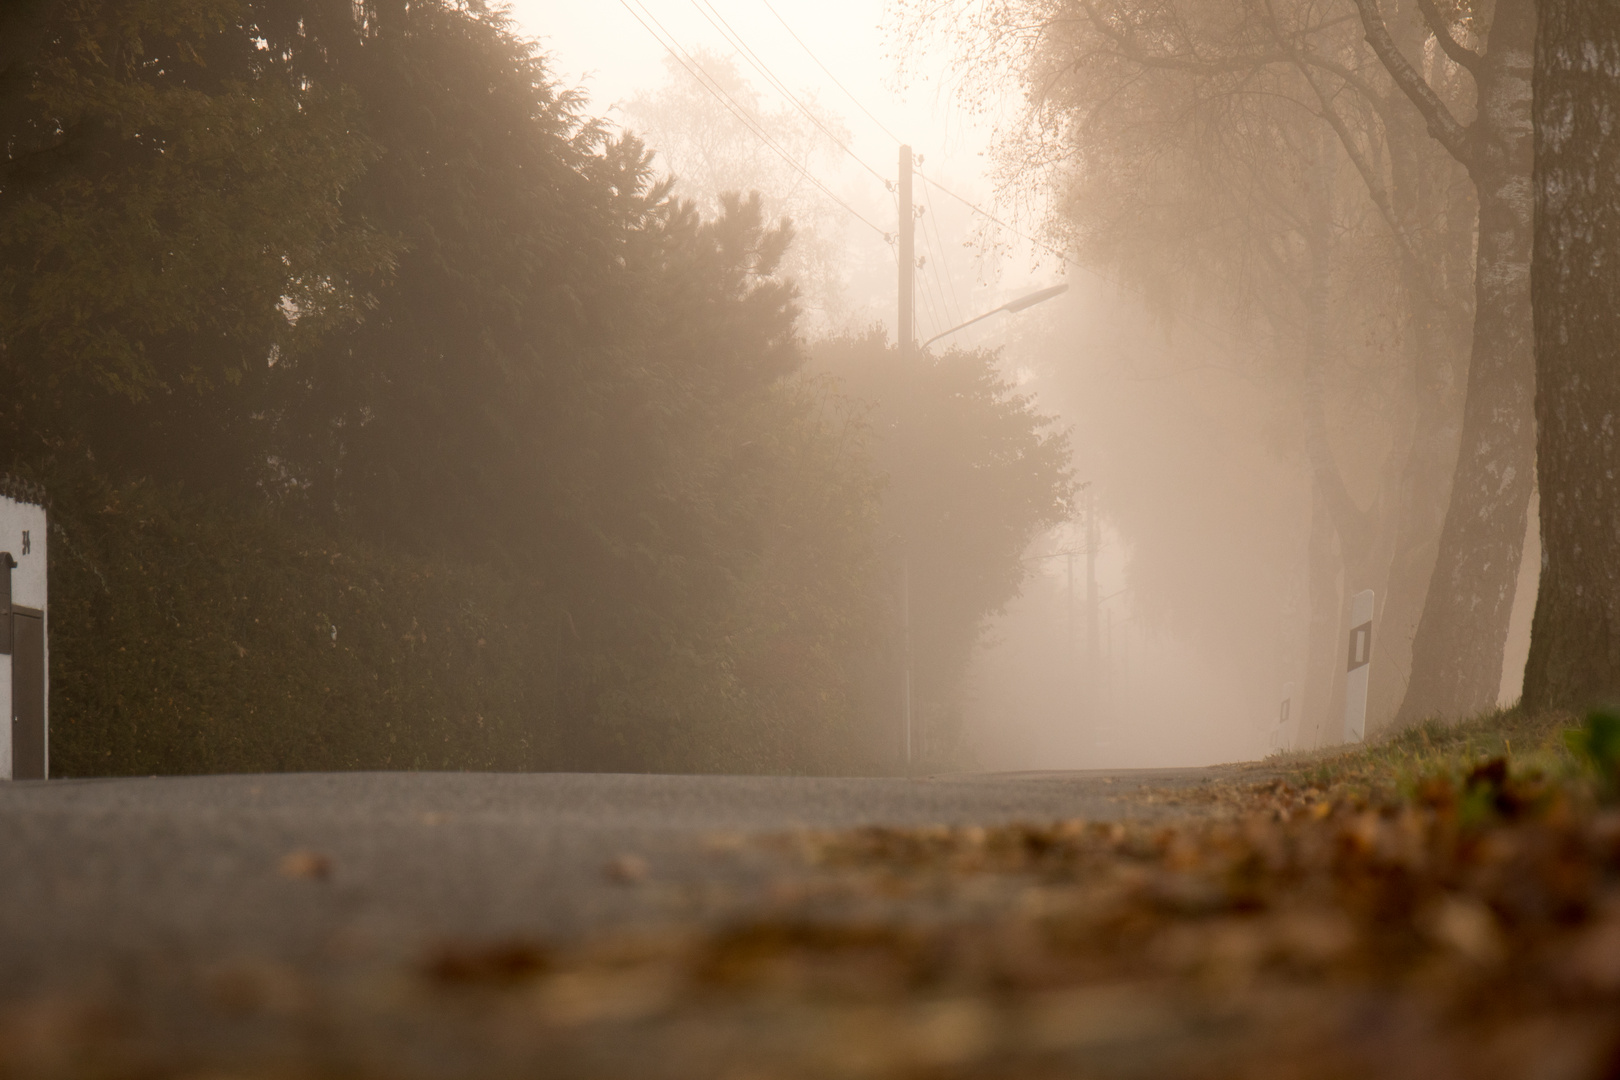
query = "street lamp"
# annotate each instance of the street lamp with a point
(1010, 306)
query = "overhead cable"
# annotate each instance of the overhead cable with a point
(928, 201)
(847, 93)
(718, 21)
(930, 269)
(1071, 260)
(685, 60)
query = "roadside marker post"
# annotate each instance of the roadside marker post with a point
(1359, 666)
(1279, 732)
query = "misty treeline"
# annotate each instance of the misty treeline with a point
(1343, 188)
(396, 415)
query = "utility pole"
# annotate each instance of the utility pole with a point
(905, 337)
(1108, 678)
(908, 254)
(1093, 667)
(1068, 657)
(905, 648)
(1075, 690)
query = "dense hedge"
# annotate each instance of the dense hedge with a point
(397, 415)
(189, 637)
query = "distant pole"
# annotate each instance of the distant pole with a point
(1068, 559)
(905, 619)
(1070, 660)
(1093, 668)
(908, 254)
(1108, 694)
(906, 337)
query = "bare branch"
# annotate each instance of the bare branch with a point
(1364, 89)
(1445, 127)
(1242, 61)
(1460, 55)
(1370, 177)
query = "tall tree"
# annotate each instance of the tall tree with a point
(1214, 148)
(170, 221)
(368, 264)
(1575, 637)
(1457, 652)
(711, 150)
(975, 473)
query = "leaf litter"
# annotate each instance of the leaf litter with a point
(1459, 923)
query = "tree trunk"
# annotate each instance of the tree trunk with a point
(1331, 510)
(1364, 537)
(1457, 651)
(1575, 638)
(1321, 650)
(1422, 183)
(1422, 495)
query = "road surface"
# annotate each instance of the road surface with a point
(103, 880)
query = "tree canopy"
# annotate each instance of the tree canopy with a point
(369, 268)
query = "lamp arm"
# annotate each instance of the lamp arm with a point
(963, 326)
(1012, 305)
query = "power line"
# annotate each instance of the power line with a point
(949, 279)
(931, 262)
(688, 62)
(736, 39)
(927, 293)
(681, 57)
(1071, 261)
(711, 13)
(828, 73)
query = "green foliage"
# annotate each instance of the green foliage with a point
(1454, 762)
(325, 316)
(748, 648)
(1597, 744)
(198, 635)
(193, 637)
(170, 219)
(975, 474)
(710, 150)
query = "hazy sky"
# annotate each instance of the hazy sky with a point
(604, 48)
(603, 45)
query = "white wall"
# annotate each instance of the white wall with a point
(5, 712)
(28, 589)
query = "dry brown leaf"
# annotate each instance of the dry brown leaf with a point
(305, 865)
(627, 870)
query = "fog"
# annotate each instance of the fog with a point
(1182, 408)
(637, 333)
(931, 537)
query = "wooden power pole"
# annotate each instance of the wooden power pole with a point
(908, 254)
(906, 337)
(1093, 657)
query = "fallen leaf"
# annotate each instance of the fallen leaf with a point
(499, 964)
(627, 870)
(304, 865)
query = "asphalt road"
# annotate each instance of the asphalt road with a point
(110, 880)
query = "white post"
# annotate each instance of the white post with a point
(1279, 733)
(1358, 666)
